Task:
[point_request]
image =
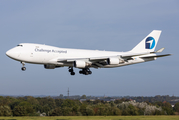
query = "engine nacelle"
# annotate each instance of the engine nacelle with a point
(47, 66)
(79, 64)
(113, 61)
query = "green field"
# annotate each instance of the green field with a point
(94, 118)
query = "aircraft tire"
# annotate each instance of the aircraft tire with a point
(72, 73)
(23, 68)
(90, 72)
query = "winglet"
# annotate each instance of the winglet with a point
(160, 50)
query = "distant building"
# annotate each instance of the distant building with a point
(92, 99)
(108, 100)
(82, 100)
(175, 100)
(133, 100)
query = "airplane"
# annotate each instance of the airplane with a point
(53, 57)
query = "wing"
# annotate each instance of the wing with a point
(99, 62)
(96, 62)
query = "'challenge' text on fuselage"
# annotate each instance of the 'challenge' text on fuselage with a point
(49, 51)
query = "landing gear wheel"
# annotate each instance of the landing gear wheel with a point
(81, 72)
(85, 71)
(72, 73)
(23, 68)
(89, 72)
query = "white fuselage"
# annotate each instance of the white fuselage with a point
(44, 54)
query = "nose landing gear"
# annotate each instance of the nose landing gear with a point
(23, 68)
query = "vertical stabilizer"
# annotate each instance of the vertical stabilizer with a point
(149, 43)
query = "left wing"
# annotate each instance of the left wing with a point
(98, 62)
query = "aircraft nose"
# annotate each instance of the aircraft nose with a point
(11, 53)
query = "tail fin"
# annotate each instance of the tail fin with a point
(149, 43)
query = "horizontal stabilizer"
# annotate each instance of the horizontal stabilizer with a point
(156, 56)
(139, 54)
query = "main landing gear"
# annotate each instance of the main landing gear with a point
(85, 71)
(23, 68)
(71, 71)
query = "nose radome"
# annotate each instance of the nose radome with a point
(12, 53)
(8, 53)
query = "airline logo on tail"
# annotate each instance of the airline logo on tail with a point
(150, 43)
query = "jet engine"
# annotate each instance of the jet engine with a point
(47, 66)
(80, 64)
(114, 61)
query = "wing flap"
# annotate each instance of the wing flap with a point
(98, 64)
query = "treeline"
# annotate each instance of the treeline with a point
(156, 98)
(171, 99)
(30, 106)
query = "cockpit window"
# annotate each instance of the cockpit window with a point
(20, 45)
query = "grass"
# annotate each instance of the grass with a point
(94, 118)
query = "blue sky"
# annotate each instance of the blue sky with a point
(113, 25)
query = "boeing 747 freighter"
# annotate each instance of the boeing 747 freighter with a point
(54, 57)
